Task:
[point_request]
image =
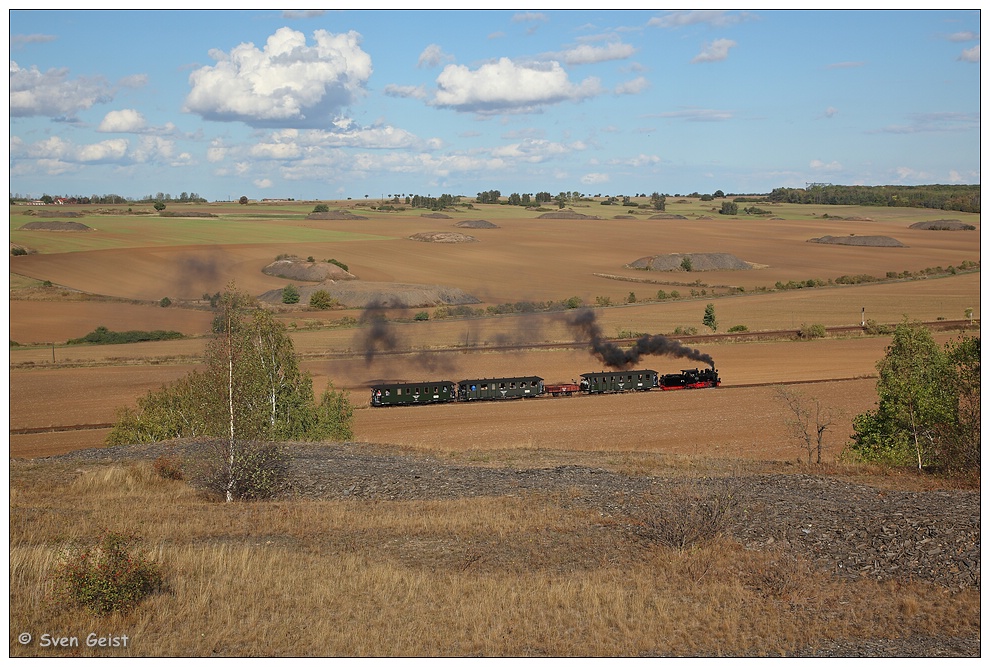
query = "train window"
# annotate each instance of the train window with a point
(416, 391)
(484, 387)
(512, 385)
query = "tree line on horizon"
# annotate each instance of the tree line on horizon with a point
(963, 198)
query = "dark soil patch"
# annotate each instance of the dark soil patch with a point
(296, 268)
(335, 215)
(476, 224)
(943, 225)
(441, 216)
(567, 215)
(443, 237)
(700, 261)
(55, 214)
(863, 241)
(55, 226)
(667, 216)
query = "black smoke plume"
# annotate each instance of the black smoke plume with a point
(377, 339)
(584, 322)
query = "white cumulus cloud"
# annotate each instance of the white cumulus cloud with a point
(287, 83)
(53, 93)
(507, 87)
(124, 120)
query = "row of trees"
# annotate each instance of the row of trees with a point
(185, 197)
(965, 198)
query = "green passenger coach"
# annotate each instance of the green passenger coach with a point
(412, 393)
(497, 389)
(618, 381)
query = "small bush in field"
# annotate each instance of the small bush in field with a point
(168, 467)
(107, 577)
(686, 515)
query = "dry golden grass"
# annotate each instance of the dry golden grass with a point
(446, 578)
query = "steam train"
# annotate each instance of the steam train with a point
(500, 389)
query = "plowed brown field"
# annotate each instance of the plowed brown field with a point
(64, 387)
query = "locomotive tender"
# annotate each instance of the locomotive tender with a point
(508, 388)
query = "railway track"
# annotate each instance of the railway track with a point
(93, 427)
(940, 325)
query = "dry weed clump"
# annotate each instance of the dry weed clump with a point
(688, 513)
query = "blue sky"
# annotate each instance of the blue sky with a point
(334, 104)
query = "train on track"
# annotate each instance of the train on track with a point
(500, 389)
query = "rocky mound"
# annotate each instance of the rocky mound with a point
(868, 241)
(443, 237)
(623, 217)
(699, 261)
(335, 215)
(55, 226)
(943, 225)
(442, 216)
(567, 215)
(667, 216)
(476, 224)
(296, 268)
(362, 294)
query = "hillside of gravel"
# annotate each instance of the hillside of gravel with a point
(699, 261)
(861, 241)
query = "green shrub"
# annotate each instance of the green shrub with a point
(165, 302)
(104, 336)
(321, 208)
(321, 300)
(808, 331)
(422, 316)
(290, 294)
(107, 577)
(340, 264)
(738, 328)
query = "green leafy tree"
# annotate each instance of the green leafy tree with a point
(290, 294)
(322, 300)
(658, 201)
(321, 208)
(916, 406)
(159, 206)
(729, 208)
(709, 319)
(252, 390)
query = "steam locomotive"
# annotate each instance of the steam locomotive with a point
(499, 389)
